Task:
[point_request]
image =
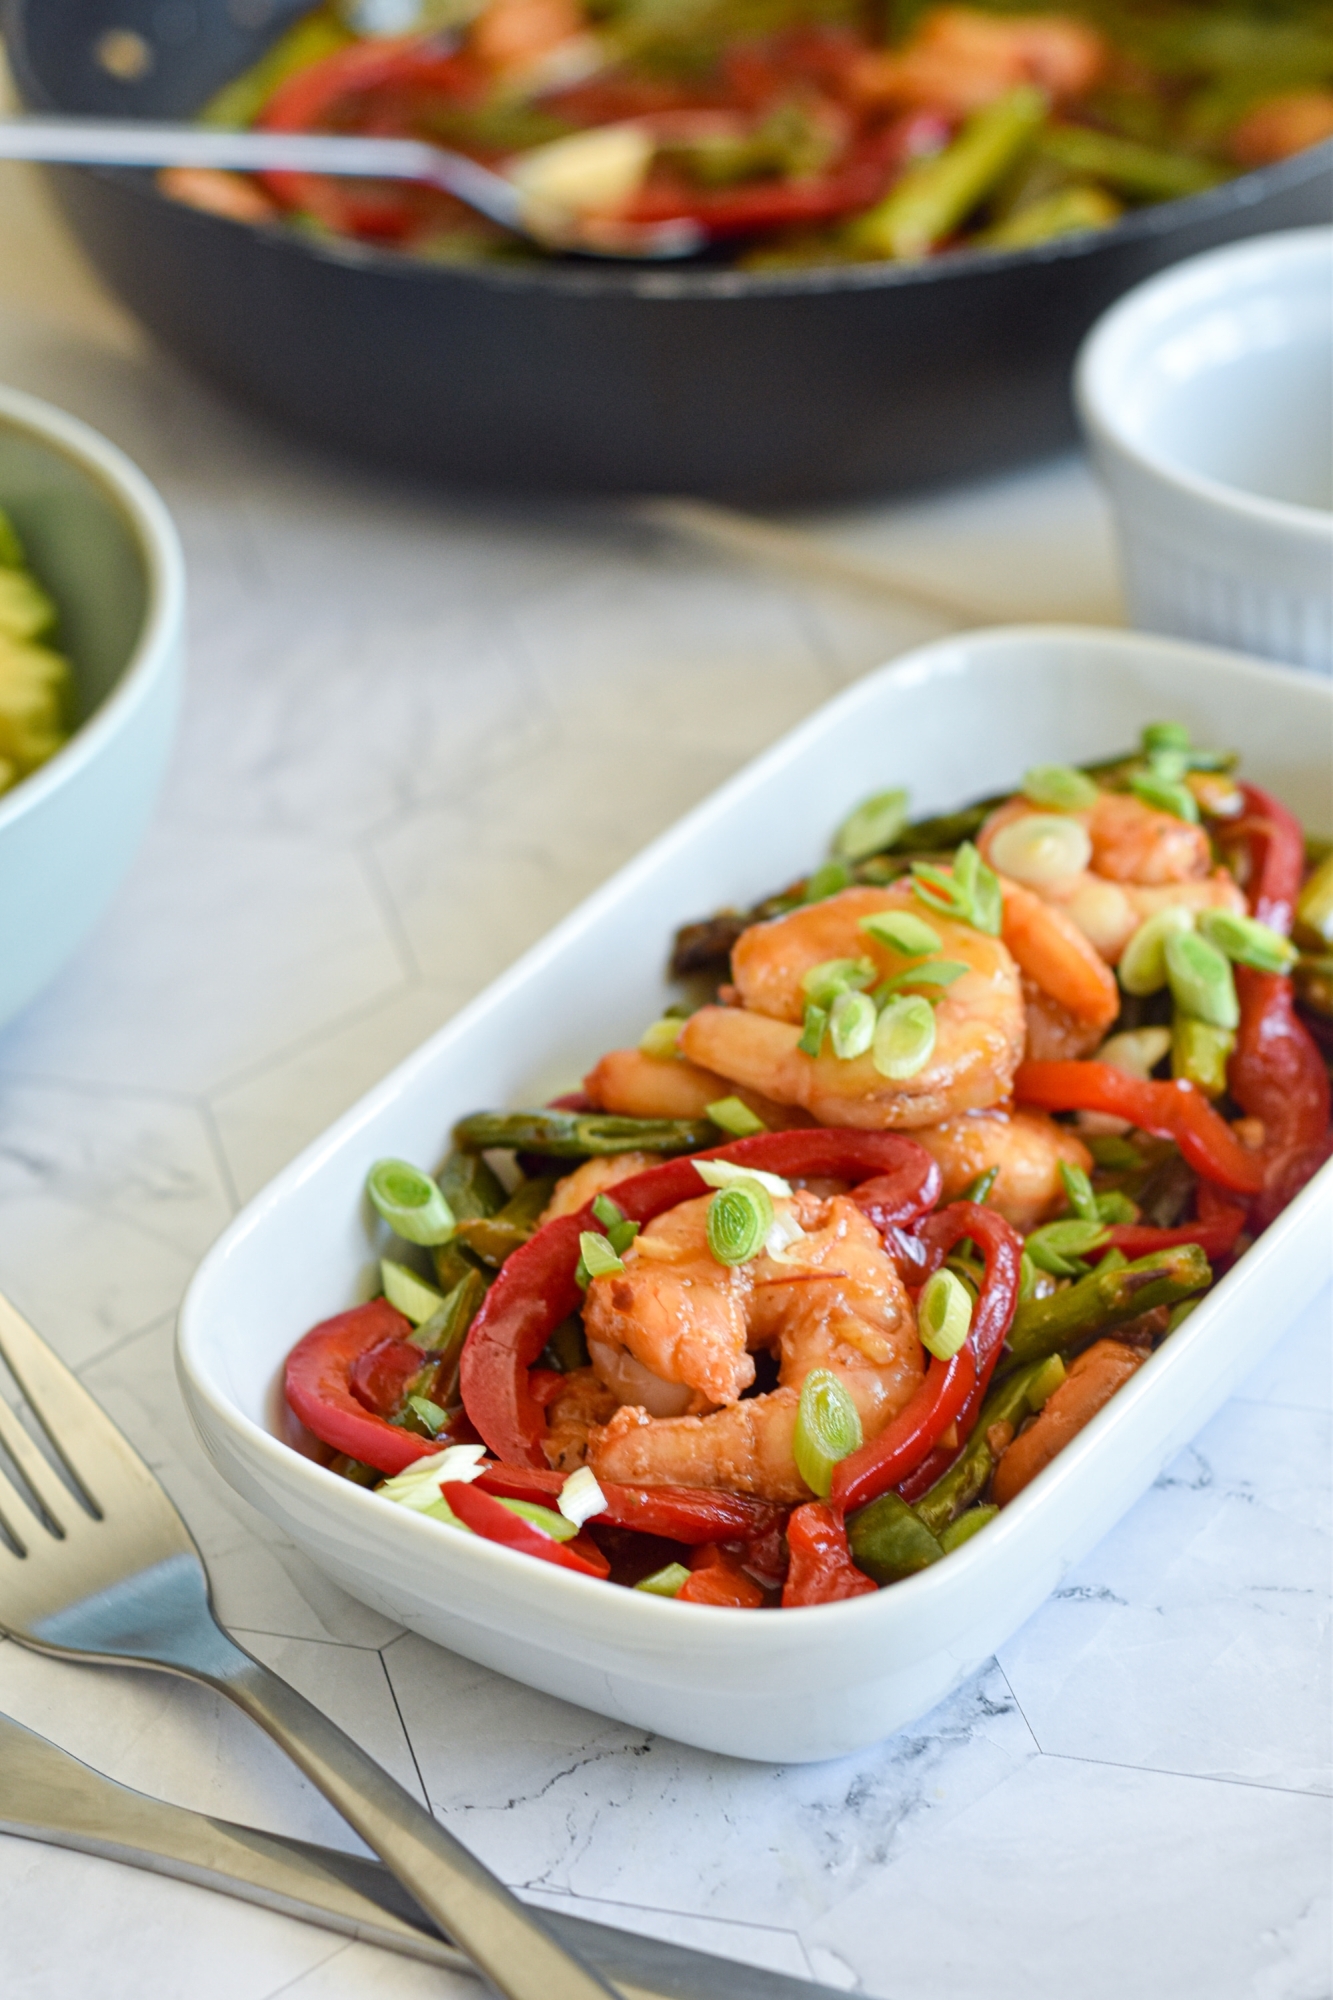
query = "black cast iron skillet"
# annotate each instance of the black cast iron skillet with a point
(811, 385)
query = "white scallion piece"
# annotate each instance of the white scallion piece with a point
(581, 1497)
(409, 1294)
(418, 1485)
(725, 1173)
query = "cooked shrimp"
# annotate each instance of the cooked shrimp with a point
(1281, 126)
(1138, 860)
(594, 1177)
(578, 1406)
(640, 1086)
(960, 59)
(1026, 1146)
(1069, 992)
(835, 1301)
(514, 34)
(979, 1021)
(1090, 1384)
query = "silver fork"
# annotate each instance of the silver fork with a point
(119, 1579)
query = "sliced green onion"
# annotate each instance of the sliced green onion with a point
(812, 1030)
(418, 1485)
(967, 1525)
(901, 931)
(428, 1414)
(1201, 980)
(1110, 1151)
(875, 825)
(410, 1202)
(828, 1428)
(1027, 1278)
(1042, 849)
(944, 1314)
(1199, 1053)
(729, 1114)
(1060, 788)
(1045, 1382)
(727, 1173)
(824, 982)
(660, 1040)
(1142, 967)
(978, 1190)
(904, 1038)
(1059, 1247)
(1115, 1206)
(971, 895)
(621, 1234)
(666, 1582)
(581, 1497)
(938, 973)
(554, 1525)
(1168, 795)
(739, 1219)
(1314, 905)
(409, 1294)
(1137, 1052)
(606, 1211)
(852, 1025)
(826, 881)
(1078, 1192)
(1159, 736)
(598, 1257)
(1247, 941)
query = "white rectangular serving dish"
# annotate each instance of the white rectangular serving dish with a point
(955, 720)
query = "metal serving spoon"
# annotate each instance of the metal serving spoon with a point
(554, 225)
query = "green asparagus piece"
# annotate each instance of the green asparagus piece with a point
(495, 1237)
(933, 197)
(970, 1474)
(1199, 1053)
(582, 1135)
(470, 1187)
(1104, 1300)
(967, 1525)
(1144, 173)
(888, 1540)
(1070, 211)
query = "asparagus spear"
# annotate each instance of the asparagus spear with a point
(935, 196)
(582, 1135)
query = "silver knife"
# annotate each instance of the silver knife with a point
(48, 1795)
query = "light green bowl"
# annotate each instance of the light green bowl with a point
(103, 544)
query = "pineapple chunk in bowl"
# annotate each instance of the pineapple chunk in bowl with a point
(92, 598)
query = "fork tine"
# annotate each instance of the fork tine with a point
(56, 1501)
(103, 1465)
(18, 1517)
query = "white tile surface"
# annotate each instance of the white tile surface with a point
(419, 727)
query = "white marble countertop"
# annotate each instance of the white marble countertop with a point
(419, 729)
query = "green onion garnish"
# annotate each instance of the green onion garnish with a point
(1247, 941)
(1201, 980)
(1168, 795)
(726, 1173)
(554, 1525)
(875, 825)
(826, 881)
(828, 1428)
(904, 1037)
(1142, 967)
(1078, 1192)
(739, 1219)
(666, 1582)
(418, 1485)
(1059, 788)
(1159, 736)
(409, 1294)
(978, 1190)
(429, 1415)
(1042, 849)
(971, 895)
(1199, 1053)
(901, 931)
(812, 1030)
(932, 972)
(944, 1314)
(410, 1202)
(659, 1040)
(729, 1114)
(824, 982)
(1059, 1247)
(606, 1211)
(598, 1255)
(852, 1025)
(581, 1497)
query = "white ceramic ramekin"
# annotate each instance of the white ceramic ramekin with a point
(102, 542)
(1206, 396)
(955, 721)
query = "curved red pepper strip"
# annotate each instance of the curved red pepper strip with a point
(318, 1384)
(1277, 857)
(536, 1290)
(949, 1385)
(1168, 1110)
(691, 1514)
(378, 1378)
(822, 1570)
(495, 1523)
(1216, 1238)
(716, 1577)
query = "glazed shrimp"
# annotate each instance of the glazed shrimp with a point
(640, 1086)
(979, 1021)
(960, 59)
(835, 1301)
(1069, 992)
(1026, 1146)
(1138, 860)
(595, 1177)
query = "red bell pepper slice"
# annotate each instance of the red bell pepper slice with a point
(318, 1383)
(1168, 1110)
(378, 1378)
(691, 1514)
(949, 1385)
(488, 1518)
(536, 1290)
(1277, 857)
(717, 1578)
(822, 1570)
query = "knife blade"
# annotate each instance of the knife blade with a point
(48, 1795)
